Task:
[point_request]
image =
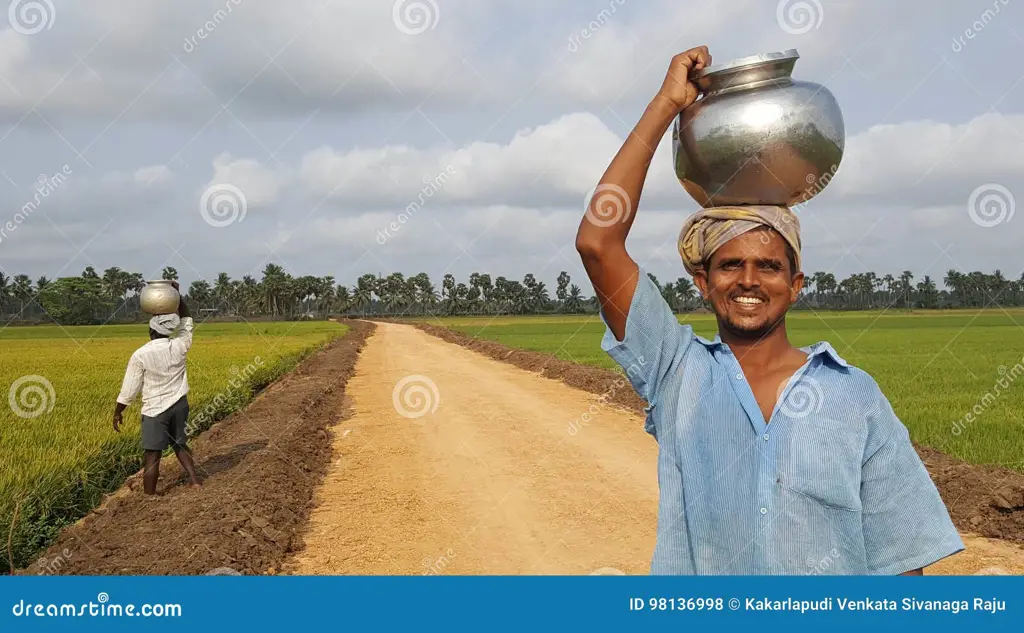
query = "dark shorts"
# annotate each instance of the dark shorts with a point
(167, 428)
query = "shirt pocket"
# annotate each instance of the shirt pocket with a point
(824, 463)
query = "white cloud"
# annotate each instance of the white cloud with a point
(263, 56)
(152, 174)
(552, 165)
(260, 184)
(926, 161)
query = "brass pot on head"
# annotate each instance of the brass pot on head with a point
(159, 297)
(756, 135)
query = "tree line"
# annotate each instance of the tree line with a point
(93, 298)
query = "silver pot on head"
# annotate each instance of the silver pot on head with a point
(757, 136)
(159, 297)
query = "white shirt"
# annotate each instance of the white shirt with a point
(157, 369)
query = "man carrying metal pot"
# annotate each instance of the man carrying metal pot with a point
(772, 459)
(157, 371)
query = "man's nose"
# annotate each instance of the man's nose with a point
(749, 277)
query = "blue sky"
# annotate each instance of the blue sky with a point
(328, 116)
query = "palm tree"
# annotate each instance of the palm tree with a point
(448, 293)
(561, 291)
(539, 298)
(828, 285)
(518, 299)
(22, 290)
(890, 286)
(342, 300)
(324, 294)
(905, 288)
(274, 288)
(169, 273)
(362, 293)
(5, 290)
(246, 294)
(927, 293)
(574, 300)
(115, 283)
(200, 292)
(813, 281)
(685, 292)
(222, 292)
(872, 284)
(953, 281)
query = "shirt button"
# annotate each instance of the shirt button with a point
(765, 437)
(739, 376)
(764, 510)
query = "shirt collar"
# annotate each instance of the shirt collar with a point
(821, 348)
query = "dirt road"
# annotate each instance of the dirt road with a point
(490, 479)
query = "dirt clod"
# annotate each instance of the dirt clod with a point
(1008, 498)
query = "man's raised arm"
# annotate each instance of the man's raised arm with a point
(601, 239)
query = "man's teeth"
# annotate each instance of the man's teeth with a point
(748, 300)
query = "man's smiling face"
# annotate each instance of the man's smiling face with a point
(750, 282)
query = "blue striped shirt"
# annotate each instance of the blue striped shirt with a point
(830, 485)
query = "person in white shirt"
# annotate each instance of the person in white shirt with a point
(157, 371)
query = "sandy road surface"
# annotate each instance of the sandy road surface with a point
(491, 481)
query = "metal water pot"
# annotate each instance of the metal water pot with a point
(159, 297)
(757, 136)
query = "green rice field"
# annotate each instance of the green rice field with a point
(58, 451)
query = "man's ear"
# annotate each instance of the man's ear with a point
(797, 285)
(700, 279)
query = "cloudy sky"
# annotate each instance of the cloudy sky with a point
(151, 121)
